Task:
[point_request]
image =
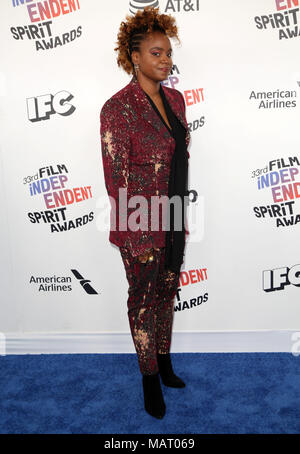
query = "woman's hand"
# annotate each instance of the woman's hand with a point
(147, 255)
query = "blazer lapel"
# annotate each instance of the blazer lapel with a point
(147, 112)
(179, 114)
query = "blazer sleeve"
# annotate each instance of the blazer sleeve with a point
(115, 146)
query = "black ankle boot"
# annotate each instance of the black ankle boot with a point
(153, 397)
(166, 372)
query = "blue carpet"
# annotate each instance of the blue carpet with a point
(231, 393)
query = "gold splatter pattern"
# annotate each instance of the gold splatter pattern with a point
(150, 303)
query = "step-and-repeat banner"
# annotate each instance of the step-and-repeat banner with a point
(238, 68)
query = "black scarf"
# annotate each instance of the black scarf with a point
(178, 179)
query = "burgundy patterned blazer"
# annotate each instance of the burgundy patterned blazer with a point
(137, 149)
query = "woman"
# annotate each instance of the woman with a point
(144, 138)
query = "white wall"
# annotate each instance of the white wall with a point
(224, 55)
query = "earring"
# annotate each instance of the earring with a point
(136, 68)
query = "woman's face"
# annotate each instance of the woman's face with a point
(155, 57)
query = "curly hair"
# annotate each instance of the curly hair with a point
(137, 28)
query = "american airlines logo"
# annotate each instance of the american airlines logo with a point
(85, 283)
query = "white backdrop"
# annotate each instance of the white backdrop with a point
(236, 274)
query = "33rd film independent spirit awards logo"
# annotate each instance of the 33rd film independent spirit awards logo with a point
(285, 19)
(41, 15)
(279, 178)
(50, 184)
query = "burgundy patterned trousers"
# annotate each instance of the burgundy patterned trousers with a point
(151, 291)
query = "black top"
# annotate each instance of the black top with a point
(175, 239)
